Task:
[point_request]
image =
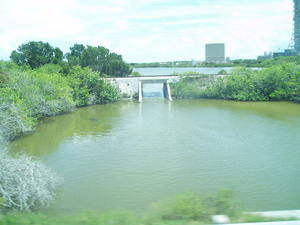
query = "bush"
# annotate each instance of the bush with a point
(43, 94)
(225, 204)
(136, 74)
(186, 206)
(15, 119)
(190, 87)
(25, 184)
(222, 72)
(13, 122)
(89, 88)
(50, 69)
(190, 206)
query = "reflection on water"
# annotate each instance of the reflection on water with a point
(128, 155)
(83, 122)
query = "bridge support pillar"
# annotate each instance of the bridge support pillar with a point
(140, 91)
(167, 91)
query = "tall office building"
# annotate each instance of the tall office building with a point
(297, 25)
(215, 53)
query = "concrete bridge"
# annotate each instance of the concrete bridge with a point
(132, 86)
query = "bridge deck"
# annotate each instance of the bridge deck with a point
(169, 76)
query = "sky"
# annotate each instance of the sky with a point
(150, 30)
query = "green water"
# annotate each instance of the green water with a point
(129, 155)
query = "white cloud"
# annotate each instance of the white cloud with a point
(149, 30)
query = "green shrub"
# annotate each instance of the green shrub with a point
(190, 87)
(186, 206)
(222, 72)
(89, 88)
(136, 74)
(225, 204)
(15, 118)
(43, 94)
(50, 69)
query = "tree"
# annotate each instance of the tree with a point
(98, 59)
(36, 54)
(75, 55)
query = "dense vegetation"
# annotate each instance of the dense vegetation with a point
(100, 59)
(182, 209)
(185, 208)
(39, 84)
(278, 82)
(27, 96)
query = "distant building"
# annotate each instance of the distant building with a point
(267, 55)
(297, 26)
(287, 52)
(215, 53)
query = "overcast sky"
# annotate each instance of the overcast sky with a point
(149, 30)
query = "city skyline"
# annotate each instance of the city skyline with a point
(150, 30)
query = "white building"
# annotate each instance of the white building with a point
(215, 53)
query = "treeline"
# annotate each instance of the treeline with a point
(233, 63)
(100, 59)
(278, 82)
(266, 62)
(28, 95)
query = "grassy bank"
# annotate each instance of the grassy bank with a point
(186, 208)
(115, 218)
(276, 83)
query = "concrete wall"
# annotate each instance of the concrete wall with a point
(129, 86)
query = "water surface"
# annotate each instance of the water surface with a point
(150, 71)
(129, 155)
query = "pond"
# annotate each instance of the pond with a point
(128, 155)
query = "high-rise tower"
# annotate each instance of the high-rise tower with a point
(297, 25)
